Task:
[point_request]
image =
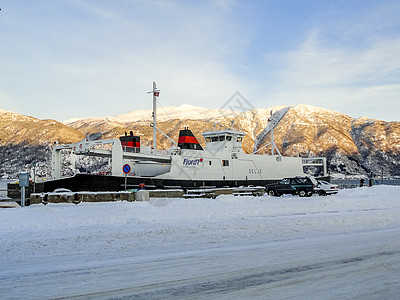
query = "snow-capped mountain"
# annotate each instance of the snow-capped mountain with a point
(184, 111)
(352, 146)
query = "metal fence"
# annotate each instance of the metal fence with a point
(353, 183)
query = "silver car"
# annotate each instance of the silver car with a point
(325, 188)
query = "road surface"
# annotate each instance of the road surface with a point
(354, 265)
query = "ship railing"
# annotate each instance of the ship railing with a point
(312, 161)
(131, 149)
(152, 151)
(161, 152)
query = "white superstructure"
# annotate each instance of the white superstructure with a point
(222, 160)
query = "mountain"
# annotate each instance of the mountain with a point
(184, 111)
(378, 144)
(26, 140)
(352, 146)
(19, 129)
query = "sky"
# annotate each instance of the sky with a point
(62, 59)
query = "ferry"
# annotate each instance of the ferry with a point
(222, 163)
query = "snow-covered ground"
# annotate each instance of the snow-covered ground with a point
(345, 246)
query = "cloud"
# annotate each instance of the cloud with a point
(323, 65)
(351, 80)
(83, 58)
(95, 55)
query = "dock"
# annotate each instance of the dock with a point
(130, 195)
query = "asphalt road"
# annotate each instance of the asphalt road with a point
(356, 265)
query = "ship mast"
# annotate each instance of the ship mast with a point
(156, 93)
(154, 116)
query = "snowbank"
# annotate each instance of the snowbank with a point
(61, 229)
(340, 246)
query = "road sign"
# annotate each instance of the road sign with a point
(23, 183)
(23, 179)
(126, 168)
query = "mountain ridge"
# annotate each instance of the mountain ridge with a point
(352, 146)
(25, 130)
(183, 111)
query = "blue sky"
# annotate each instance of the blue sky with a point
(63, 59)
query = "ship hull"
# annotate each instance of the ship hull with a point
(89, 182)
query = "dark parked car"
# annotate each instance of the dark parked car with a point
(302, 186)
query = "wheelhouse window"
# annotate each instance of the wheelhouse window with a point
(208, 139)
(225, 163)
(239, 139)
(214, 139)
(222, 138)
(229, 138)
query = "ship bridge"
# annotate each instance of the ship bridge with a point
(224, 140)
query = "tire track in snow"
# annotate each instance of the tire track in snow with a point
(223, 283)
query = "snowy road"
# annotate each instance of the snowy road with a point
(345, 266)
(344, 247)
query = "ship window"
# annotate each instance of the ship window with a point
(222, 138)
(209, 162)
(225, 163)
(229, 138)
(239, 139)
(214, 139)
(208, 139)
